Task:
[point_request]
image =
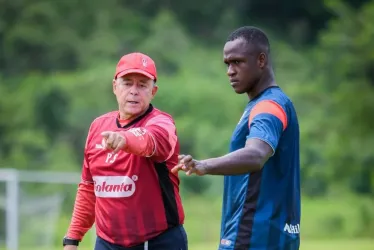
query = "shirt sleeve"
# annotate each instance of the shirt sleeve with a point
(84, 211)
(165, 136)
(86, 174)
(266, 122)
(157, 139)
(83, 216)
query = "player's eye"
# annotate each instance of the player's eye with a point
(126, 84)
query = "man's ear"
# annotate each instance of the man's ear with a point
(114, 86)
(262, 60)
(154, 90)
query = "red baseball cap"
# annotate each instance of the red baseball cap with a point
(136, 63)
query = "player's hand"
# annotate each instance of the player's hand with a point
(113, 141)
(189, 165)
(70, 247)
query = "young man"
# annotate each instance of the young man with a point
(127, 187)
(261, 201)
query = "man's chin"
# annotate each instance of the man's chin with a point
(239, 91)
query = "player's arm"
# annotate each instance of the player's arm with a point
(84, 207)
(249, 159)
(157, 139)
(266, 123)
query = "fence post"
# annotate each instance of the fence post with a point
(12, 223)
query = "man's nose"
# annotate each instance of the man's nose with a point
(134, 89)
(230, 71)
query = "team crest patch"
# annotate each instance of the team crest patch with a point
(144, 61)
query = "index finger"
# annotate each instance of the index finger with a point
(186, 159)
(176, 169)
(180, 157)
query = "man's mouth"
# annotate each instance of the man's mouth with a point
(234, 83)
(132, 102)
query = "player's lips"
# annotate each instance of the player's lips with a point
(234, 83)
(132, 102)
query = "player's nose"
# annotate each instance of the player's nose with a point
(134, 90)
(230, 71)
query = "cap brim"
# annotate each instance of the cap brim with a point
(132, 71)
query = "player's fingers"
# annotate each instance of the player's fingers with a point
(180, 157)
(181, 166)
(105, 134)
(186, 159)
(177, 168)
(190, 164)
(191, 171)
(120, 144)
(116, 149)
(114, 145)
(110, 140)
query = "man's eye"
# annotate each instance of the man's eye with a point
(236, 62)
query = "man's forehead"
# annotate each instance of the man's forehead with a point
(237, 46)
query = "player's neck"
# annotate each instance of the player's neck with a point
(266, 81)
(123, 116)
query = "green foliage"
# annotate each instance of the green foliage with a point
(345, 102)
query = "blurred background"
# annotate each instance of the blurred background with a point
(57, 60)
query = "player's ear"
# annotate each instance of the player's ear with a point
(262, 60)
(154, 89)
(114, 86)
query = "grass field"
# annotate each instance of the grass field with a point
(338, 222)
(305, 245)
(313, 245)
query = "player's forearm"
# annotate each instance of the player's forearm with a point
(242, 161)
(84, 212)
(157, 139)
(139, 142)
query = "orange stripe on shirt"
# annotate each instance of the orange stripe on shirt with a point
(269, 107)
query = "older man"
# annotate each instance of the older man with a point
(127, 187)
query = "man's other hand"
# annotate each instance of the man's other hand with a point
(189, 165)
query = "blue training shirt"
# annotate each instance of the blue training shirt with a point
(261, 210)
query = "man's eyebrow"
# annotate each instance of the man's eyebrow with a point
(234, 57)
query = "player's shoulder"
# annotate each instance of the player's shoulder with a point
(275, 96)
(100, 119)
(158, 114)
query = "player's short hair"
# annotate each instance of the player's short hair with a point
(251, 35)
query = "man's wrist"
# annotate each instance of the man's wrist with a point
(68, 241)
(204, 169)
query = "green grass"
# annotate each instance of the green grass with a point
(312, 245)
(327, 224)
(305, 245)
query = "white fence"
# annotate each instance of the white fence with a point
(11, 202)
